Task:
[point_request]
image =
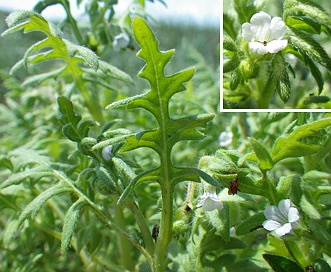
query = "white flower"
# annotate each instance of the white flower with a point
(209, 201)
(106, 152)
(225, 138)
(121, 41)
(281, 219)
(264, 34)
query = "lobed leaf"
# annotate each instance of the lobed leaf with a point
(35, 174)
(33, 208)
(156, 101)
(292, 144)
(70, 220)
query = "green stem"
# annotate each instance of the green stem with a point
(166, 224)
(93, 107)
(125, 249)
(265, 94)
(145, 231)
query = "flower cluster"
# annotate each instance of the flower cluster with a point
(265, 35)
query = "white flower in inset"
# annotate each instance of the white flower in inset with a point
(281, 219)
(264, 34)
(225, 138)
(121, 41)
(209, 201)
(106, 152)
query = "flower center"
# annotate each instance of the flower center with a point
(264, 43)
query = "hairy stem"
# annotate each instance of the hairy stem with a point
(125, 248)
(165, 234)
(145, 232)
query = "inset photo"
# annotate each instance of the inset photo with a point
(276, 54)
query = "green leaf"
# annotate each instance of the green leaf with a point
(308, 10)
(304, 23)
(250, 224)
(296, 190)
(72, 56)
(34, 174)
(67, 113)
(306, 45)
(169, 131)
(265, 161)
(211, 242)
(293, 144)
(33, 208)
(309, 208)
(321, 265)
(282, 264)
(70, 220)
(236, 78)
(316, 99)
(280, 77)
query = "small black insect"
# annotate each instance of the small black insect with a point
(155, 232)
(265, 43)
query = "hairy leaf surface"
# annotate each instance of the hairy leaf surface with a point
(156, 101)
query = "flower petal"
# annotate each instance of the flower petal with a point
(272, 213)
(285, 229)
(275, 46)
(271, 225)
(211, 205)
(293, 215)
(257, 48)
(247, 33)
(284, 206)
(260, 23)
(277, 29)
